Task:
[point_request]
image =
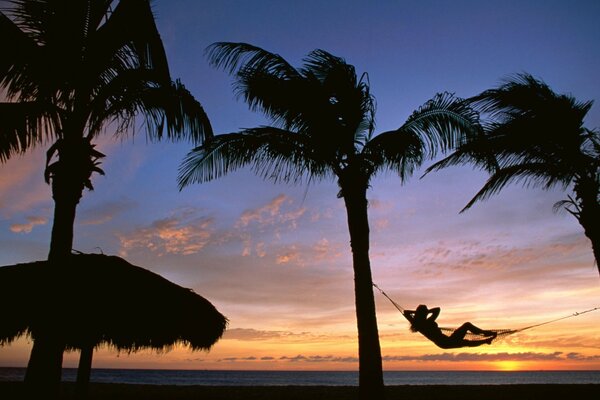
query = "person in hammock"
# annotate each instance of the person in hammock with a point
(422, 320)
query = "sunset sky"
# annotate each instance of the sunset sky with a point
(275, 259)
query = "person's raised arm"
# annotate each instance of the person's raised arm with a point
(435, 312)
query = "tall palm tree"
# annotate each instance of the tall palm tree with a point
(323, 119)
(69, 71)
(537, 137)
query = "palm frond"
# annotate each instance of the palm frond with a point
(273, 153)
(523, 96)
(233, 57)
(169, 109)
(569, 205)
(132, 24)
(322, 64)
(530, 124)
(18, 50)
(529, 175)
(323, 99)
(176, 111)
(438, 126)
(476, 152)
(23, 125)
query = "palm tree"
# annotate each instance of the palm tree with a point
(323, 119)
(69, 71)
(537, 137)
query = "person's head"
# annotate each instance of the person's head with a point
(421, 311)
(420, 316)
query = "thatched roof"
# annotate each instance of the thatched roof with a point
(96, 299)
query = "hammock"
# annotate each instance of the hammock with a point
(500, 333)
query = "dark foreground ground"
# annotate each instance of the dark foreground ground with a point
(14, 390)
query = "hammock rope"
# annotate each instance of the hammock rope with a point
(499, 332)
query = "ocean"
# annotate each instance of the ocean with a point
(318, 378)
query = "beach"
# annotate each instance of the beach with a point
(116, 391)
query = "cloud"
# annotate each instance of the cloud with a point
(325, 250)
(272, 218)
(32, 221)
(289, 255)
(235, 359)
(182, 234)
(473, 255)
(272, 213)
(446, 357)
(263, 213)
(581, 357)
(318, 359)
(105, 212)
(253, 334)
(304, 254)
(22, 186)
(294, 359)
(462, 357)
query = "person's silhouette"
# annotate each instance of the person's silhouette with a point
(421, 321)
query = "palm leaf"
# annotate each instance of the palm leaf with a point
(273, 153)
(265, 81)
(529, 175)
(131, 24)
(238, 56)
(18, 50)
(439, 125)
(23, 126)
(169, 110)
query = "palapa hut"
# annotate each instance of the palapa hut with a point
(96, 299)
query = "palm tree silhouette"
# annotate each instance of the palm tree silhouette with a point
(537, 137)
(69, 72)
(323, 122)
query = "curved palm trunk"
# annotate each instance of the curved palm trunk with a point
(44, 369)
(369, 351)
(589, 221)
(589, 213)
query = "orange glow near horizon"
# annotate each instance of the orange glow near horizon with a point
(508, 366)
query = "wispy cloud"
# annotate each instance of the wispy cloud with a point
(183, 233)
(462, 357)
(22, 186)
(105, 212)
(439, 357)
(270, 220)
(318, 359)
(254, 334)
(272, 213)
(26, 227)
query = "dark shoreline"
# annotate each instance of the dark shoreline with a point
(119, 391)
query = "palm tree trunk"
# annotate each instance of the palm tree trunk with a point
(588, 218)
(370, 378)
(589, 212)
(592, 231)
(61, 241)
(43, 375)
(44, 369)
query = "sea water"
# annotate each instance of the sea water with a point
(318, 378)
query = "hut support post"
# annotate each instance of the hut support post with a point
(84, 371)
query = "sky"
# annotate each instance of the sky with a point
(275, 259)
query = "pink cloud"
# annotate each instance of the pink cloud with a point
(174, 235)
(29, 225)
(271, 214)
